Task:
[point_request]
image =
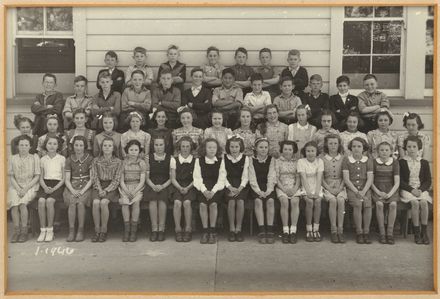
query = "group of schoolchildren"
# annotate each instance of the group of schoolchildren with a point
(146, 140)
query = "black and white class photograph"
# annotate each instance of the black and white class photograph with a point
(209, 149)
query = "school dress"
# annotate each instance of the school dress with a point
(414, 174)
(333, 176)
(275, 133)
(34, 144)
(88, 134)
(384, 173)
(301, 135)
(237, 175)
(286, 171)
(220, 134)
(184, 168)
(262, 177)
(358, 170)
(347, 136)
(426, 142)
(23, 169)
(320, 135)
(249, 138)
(376, 137)
(132, 177)
(209, 174)
(52, 176)
(106, 173)
(159, 167)
(311, 170)
(79, 176)
(42, 152)
(143, 137)
(194, 133)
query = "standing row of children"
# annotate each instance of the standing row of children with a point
(145, 171)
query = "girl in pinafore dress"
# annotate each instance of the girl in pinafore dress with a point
(327, 120)
(311, 169)
(108, 124)
(357, 170)
(262, 179)
(274, 130)
(135, 133)
(24, 174)
(413, 124)
(51, 182)
(247, 131)
(187, 129)
(157, 191)
(77, 193)
(160, 129)
(237, 178)
(106, 174)
(351, 132)
(52, 126)
(209, 179)
(132, 184)
(415, 181)
(217, 131)
(302, 131)
(383, 133)
(25, 125)
(287, 187)
(80, 119)
(385, 190)
(184, 193)
(334, 187)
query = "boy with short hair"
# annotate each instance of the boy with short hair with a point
(198, 98)
(118, 77)
(287, 101)
(105, 100)
(242, 71)
(317, 100)
(176, 68)
(371, 101)
(296, 71)
(258, 99)
(140, 63)
(167, 97)
(228, 98)
(270, 79)
(79, 100)
(342, 103)
(49, 102)
(135, 98)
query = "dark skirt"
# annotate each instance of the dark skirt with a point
(111, 196)
(57, 194)
(243, 195)
(253, 195)
(215, 199)
(150, 195)
(191, 195)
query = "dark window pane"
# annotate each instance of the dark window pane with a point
(59, 19)
(30, 19)
(431, 11)
(358, 11)
(388, 11)
(356, 64)
(429, 65)
(46, 55)
(429, 37)
(357, 38)
(387, 37)
(387, 71)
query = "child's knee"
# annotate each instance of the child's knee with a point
(270, 203)
(379, 205)
(332, 200)
(187, 204)
(284, 202)
(341, 201)
(240, 203)
(309, 202)
(96, 203)
(423, 203)
(414, 203)
(177, 204)
(393, 205)
(258, 203)
(50, 202)
(41, 201)
(104, 203)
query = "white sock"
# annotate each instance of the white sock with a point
(309, 227)
(285, 229)
(316, 227)
(293, 229)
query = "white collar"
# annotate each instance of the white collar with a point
(262, 161)
(209, 160)
(330, 158)
(185, 160)
(353, 160)
(196, 87)
(302, 127)
(235, 160)
(159, 158)
(284, 159)
(258, 95)
(409, 159)
(388, 163)
(294, 69)
(343, 95)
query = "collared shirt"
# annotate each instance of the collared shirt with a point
(311, 171)
(244, 174)
(242, 72)
(376, 98)
(196, 90)
(266, 71)
(357, 170)
(169, 99)
(148, 72)
(414, 166)
(426, 142)
(198, 179)
(249, 138)
(301, 135)
(251, 99)
(221, 93)
(24, 169)
(293, 71)
(376, 137)
(287, 103)
(142, 99)
(332, 167)
(347, 136)
(79, 170)
(181, 160)
(101, 104)
(53, 167)
(213, 70)
(133, 170)
(343, 97)
(271, 175)
(106, 170)
(73, 103)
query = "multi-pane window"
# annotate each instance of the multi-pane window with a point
(44, 21)
(372, 43)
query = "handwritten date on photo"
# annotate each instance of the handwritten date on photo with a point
(53, 251)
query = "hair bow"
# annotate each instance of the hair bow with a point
(307, 107)
(235, 136)
(406, 114)
(181, 108)
(52, 116)
(135, 113)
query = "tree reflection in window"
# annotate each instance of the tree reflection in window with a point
(30, 19)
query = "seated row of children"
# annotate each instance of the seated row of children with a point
(237, 86)
(274, 162)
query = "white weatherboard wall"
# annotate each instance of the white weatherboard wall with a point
(194, 29)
